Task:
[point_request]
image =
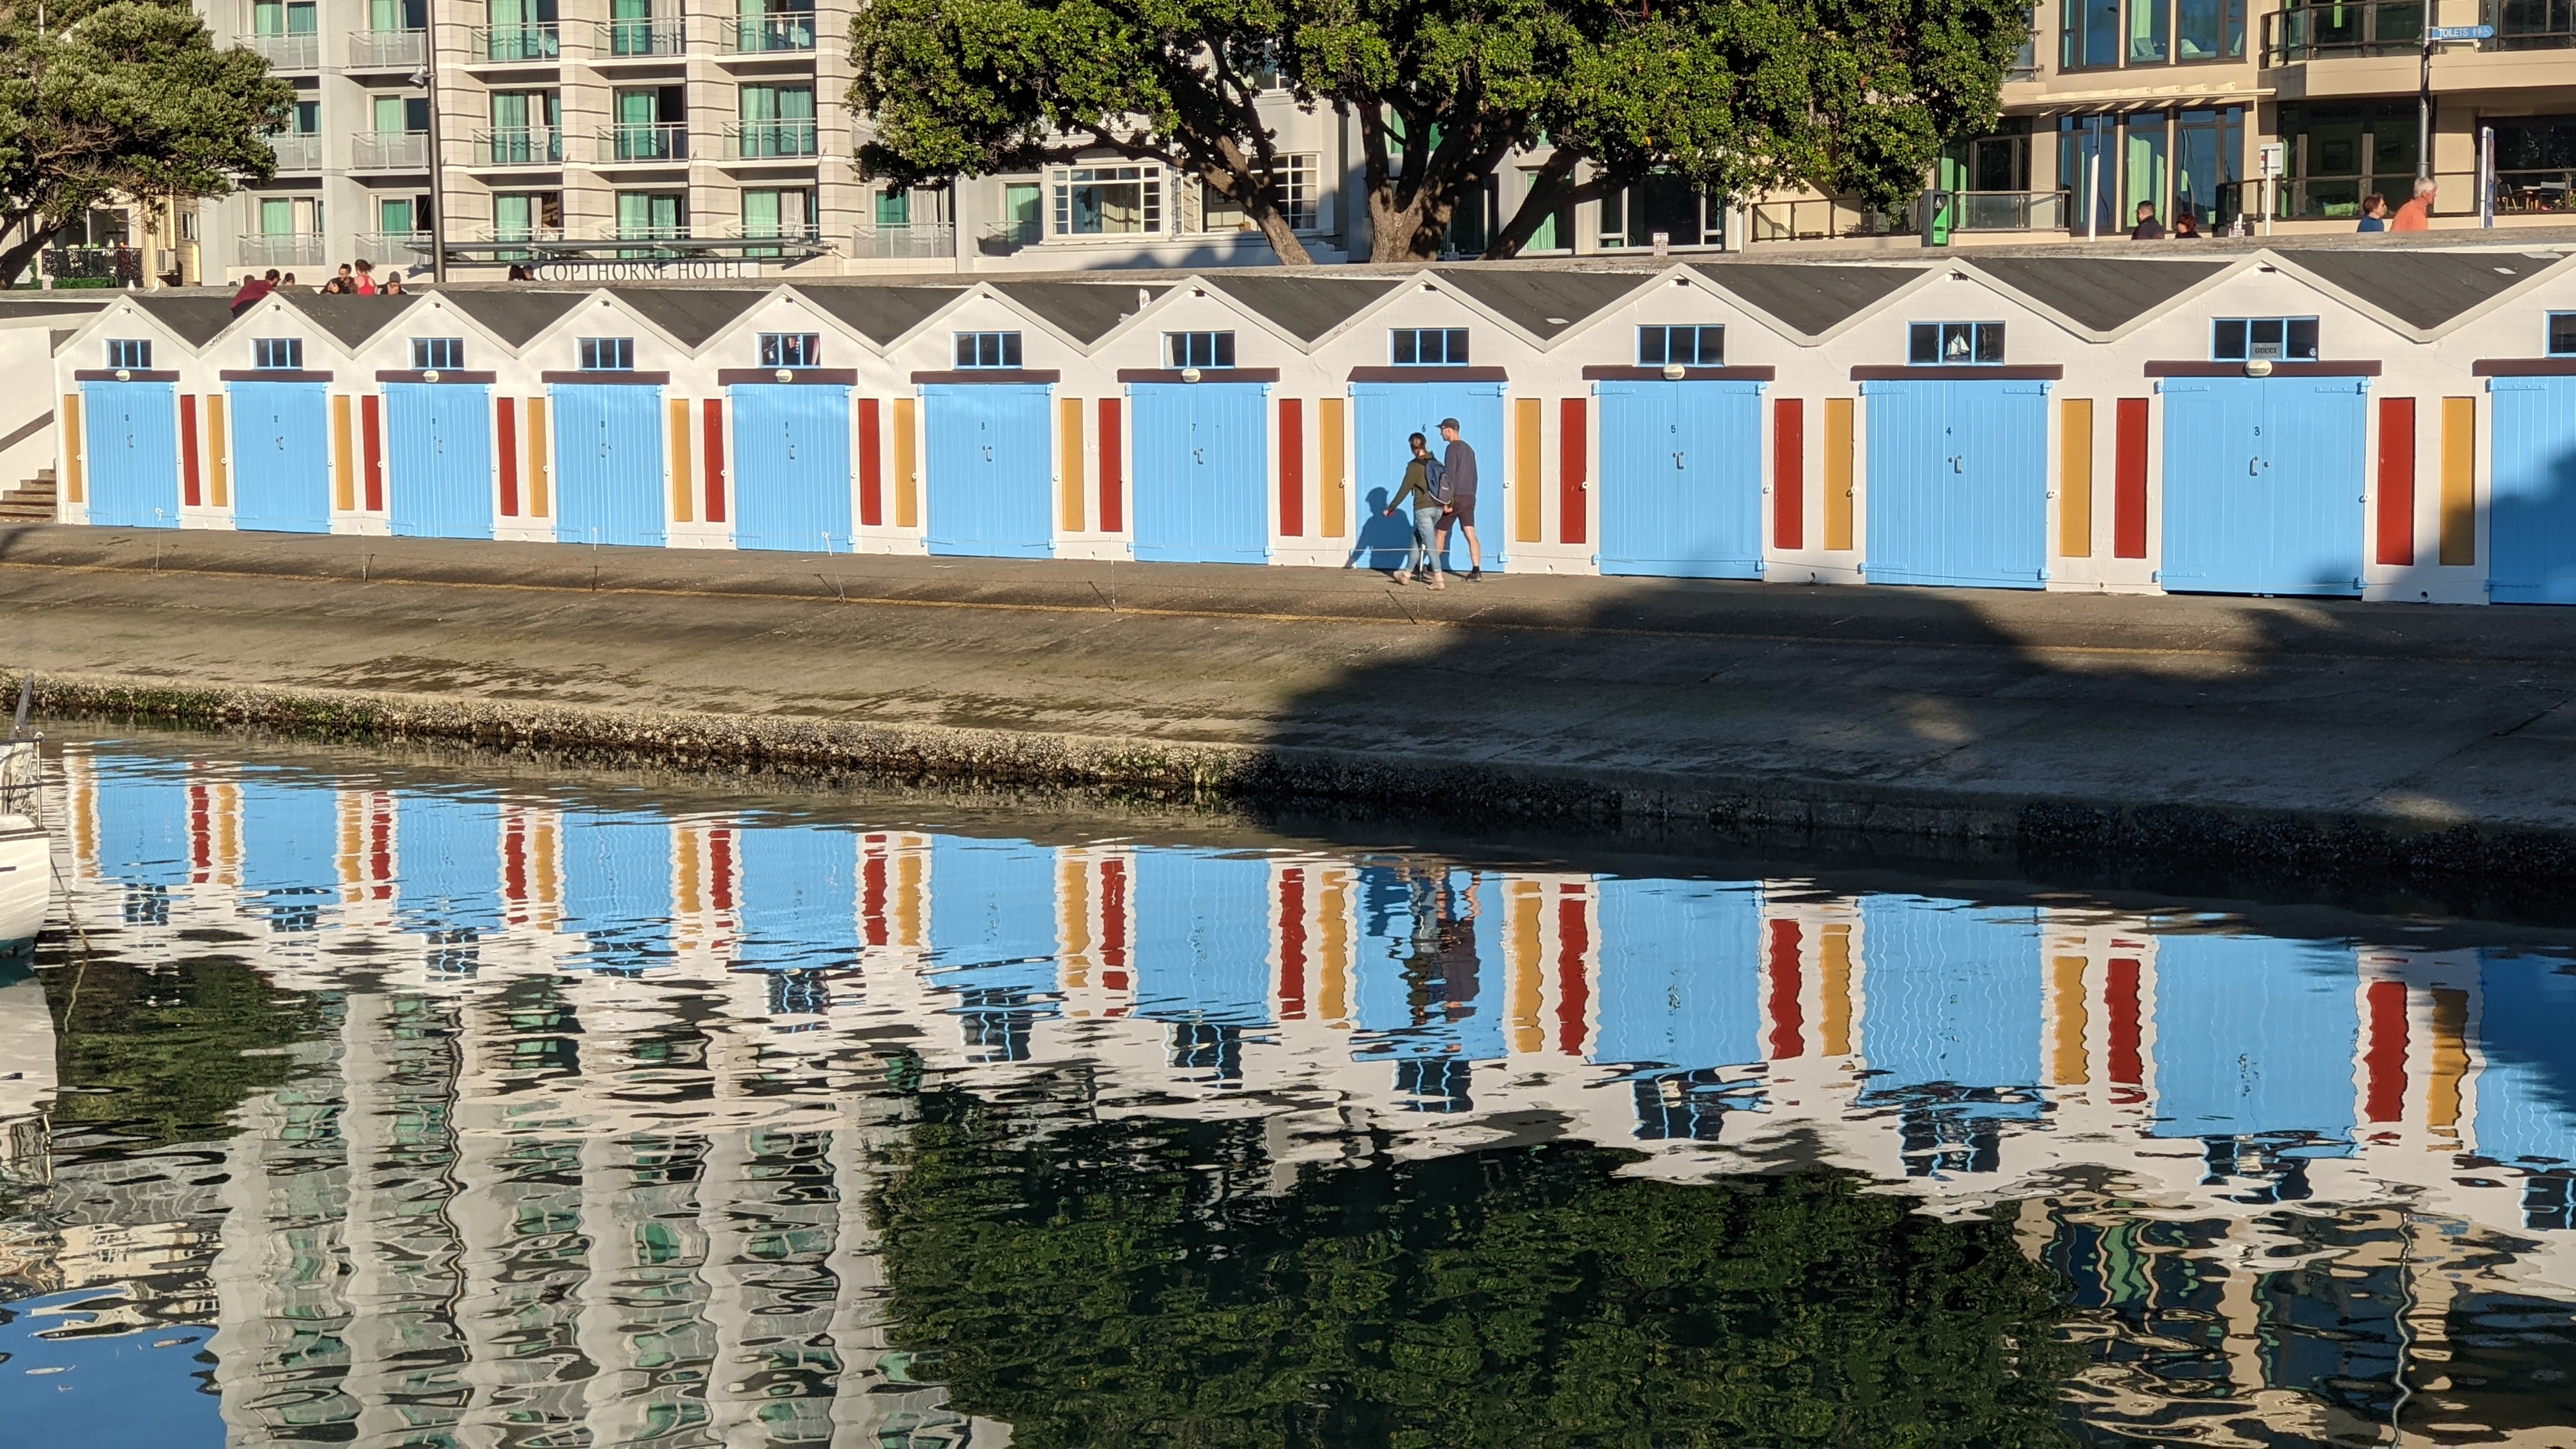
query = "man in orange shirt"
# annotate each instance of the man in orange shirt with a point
(2416, 215)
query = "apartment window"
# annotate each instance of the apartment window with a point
(2274, 339)
(2562, 334)
(436, 352)
(988, 349)
(1108, 200)
(1689, 346)
(277, 354)
(1294, 195)
(1956, 344)
(2089, 39)
(608, 354)
(1199, 349)
(2338, 154)
(791, 349)
(2209, 30)
(1429, 346)
(134, 353)
(1667, 204)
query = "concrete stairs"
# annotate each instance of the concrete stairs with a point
(30, 502)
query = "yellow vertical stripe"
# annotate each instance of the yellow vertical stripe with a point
(907, 898)
(353, 840)
(2450, 1056)
(1838, 473)
(539, 456)
(1336, 501)
(682, 485)
(74, 440)
(344, 467)
(1334, 1000)
(2459, 480)
(1068, 413)
(2075, 478)
(2066, 1065)
(1834, 964)
(219, 450)
(1073, 919)
(685, 881)
(542, 886)
(907, 475)
(1525, 456)
(1523, 953)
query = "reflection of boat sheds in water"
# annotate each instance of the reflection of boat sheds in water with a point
(1954, 1047)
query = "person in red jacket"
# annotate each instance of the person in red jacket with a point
(254, 288)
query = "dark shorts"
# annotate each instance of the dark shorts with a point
(1464, 510)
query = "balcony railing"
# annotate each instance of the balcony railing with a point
(405, 249)
(911, 239)
(2336, 31)
(507, 44)
(288, 52)
(383, 150)
(526, 146)
(2531, 24)
(388, 49)
(2005, 210)
(808, 239)
(762, 140)
(638, 39)
(297, 151)
(1824, 219)
(632, 144)
(279, 249)
(118, 263)
(2533, 193)
(774, 35)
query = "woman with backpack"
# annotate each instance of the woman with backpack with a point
(1423, 483)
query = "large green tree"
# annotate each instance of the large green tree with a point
(1138, 1282)
(126, 100)
(1736, 95)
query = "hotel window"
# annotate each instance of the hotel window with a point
(1108, 200)
(132, 353)
(608, 354)
(1294, 196)
(1429, 346)
(1689, 346)
(2102, 34)
(1956, 344)
(2175, 161)
(1200, 349)
(2562, 334)
(1669, 204)
(2274, 339)
(2340, 153)
(988, 349)
(791, 349)
(277, 354)
(436, 352)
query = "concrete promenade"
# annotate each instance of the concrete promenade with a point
(2064, 721)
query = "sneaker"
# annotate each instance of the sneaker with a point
(1475, 576)
(1438, 583)
(1399, 577)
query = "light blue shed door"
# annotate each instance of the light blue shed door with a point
(2533, 517)
(1202, 949)
(991, 489)
(441, 436)
(799, 902)
(130, 442)
(1681, 982)
(281, 456)
(1958, 483)
(1383, 413)
(1202, 475)
(1954, 998)
(608, 463)
(791, 466)
(2263, 484)
(2254, 1035)
(1681, 479)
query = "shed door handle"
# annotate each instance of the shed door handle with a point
(988, 452)
(1677, 460)
(1954, 463)
(1199, 456)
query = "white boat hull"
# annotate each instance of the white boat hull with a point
(26, 881)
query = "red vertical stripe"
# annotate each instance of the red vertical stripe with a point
(720, 869)
(1788, 1022)
(1113, 463)
(1113, 924)
(380, 852)
(2385, 1062)
(1573, 472)
(715, 469)
(871, 467)
(2396, 480)
(1573, 993)
(188, 448)
(2127, 1068)
(508, 434)
(872, 898)
(1292, 944)
(2129, 481)
(201, 833)
(370, 410)
(514, 863)
(1789, 473)
(1292, 467)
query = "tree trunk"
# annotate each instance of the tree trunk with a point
(1550, 189)
(1409, 233)
(14, 260)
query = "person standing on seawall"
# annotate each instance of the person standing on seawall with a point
(1422, 485)
(1458, 471)
(2374, 213)
(2416, 215)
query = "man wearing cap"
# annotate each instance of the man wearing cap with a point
(1458, 472)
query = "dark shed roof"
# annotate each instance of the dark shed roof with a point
(690, 314)
(880, 313)
(1810, 298)
(2425, 289)
(352, 319)
(514, 314)
(1085, 310)
(25, 306)
(197, 319)
(2099, 292)
(1308, 307)
(1545, 302)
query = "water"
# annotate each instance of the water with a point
(358, 1102)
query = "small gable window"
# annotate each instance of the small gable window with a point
(2274, 339)
(1689, 346)
(1199, 349)
(1956, 344)
(2562, 334)
(277, 354)
(608, 354)
(1429, 347)
(431, 353)
(988, 349)
(134, 353)
(791, 349)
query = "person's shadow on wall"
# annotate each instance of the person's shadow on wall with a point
(1384, 543)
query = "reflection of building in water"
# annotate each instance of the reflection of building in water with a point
(598, 1163)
